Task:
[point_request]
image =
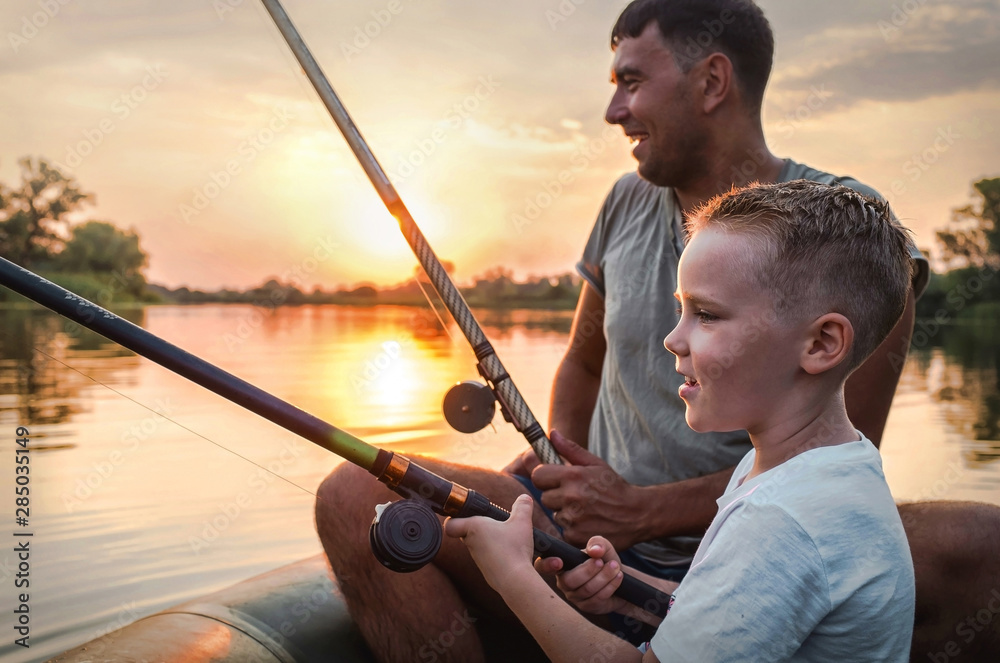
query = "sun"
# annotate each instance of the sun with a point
(377, 232)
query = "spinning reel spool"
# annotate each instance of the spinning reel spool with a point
(405, 535)
(469, 406)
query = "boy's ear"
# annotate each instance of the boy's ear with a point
(829, 340)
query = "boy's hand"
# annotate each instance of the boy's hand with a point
(588, 496)
(591, 585)
(500, 549)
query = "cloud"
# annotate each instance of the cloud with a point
(903, 56)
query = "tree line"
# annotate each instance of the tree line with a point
(41, 228)
(93, 258)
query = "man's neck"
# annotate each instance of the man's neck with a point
(737, 166)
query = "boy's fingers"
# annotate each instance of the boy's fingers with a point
(456, 527)
(548, 565)
(521, 506)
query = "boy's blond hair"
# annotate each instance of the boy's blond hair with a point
(821, 248)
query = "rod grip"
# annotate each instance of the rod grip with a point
(633, 590)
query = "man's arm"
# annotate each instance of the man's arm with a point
(574, 390)
(870, 389)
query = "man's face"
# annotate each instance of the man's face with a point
(653, 104)
(738, 358)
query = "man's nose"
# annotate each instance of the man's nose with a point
(617, 112)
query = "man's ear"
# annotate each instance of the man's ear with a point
(828, 342)
(716, 80)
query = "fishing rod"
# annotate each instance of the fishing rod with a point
(406, 534)
(469, 406)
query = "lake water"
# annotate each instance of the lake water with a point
(147, 490)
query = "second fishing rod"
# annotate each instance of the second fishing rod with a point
(466, 407)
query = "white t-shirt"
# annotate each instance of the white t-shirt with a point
(805, 562)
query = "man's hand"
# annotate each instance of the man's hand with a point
(523, 464)
(501, 550)
(588, 497)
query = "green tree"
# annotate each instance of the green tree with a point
(99, 247)
(973, 236)
(33, 216)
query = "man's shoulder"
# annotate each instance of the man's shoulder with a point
(631, 188)
(799, 171)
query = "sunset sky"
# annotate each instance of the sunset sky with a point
(474, 108)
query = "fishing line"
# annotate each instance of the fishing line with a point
(160, 414)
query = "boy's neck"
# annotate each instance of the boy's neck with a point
(811, 427)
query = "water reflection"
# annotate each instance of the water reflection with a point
(961, 366)
(119, 507)
(35, 348)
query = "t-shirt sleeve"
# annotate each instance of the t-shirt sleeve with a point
(756, 595)
(921, 268)
(590, 266)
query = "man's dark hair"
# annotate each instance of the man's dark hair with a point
(694, 29)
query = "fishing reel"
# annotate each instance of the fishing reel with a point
(405, 535)
(469, 406)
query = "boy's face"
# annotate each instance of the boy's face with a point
(738, 359)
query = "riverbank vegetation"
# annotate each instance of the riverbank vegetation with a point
(43, 228)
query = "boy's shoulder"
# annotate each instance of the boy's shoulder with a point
(839, 499)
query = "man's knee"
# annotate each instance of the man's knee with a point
(345, 483)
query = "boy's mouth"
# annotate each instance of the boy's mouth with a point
(690, 381)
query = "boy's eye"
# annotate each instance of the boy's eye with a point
(705, 316)
(678, 310)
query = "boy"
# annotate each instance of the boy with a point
(784, 290)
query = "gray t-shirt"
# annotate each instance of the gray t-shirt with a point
(638, 425)
(805, 562)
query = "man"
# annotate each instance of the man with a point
(694, 113)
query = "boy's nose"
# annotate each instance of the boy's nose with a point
(674, 342)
